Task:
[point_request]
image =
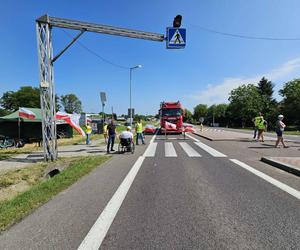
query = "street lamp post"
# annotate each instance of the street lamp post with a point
(130, 108)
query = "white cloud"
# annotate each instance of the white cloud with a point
(218, 93)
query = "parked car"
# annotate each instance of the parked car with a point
(149, 129)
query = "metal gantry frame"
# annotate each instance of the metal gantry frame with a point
(44, 27)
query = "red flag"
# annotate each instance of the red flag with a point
(188, 129)
(26, 113)
(169, 125)
(71, 120)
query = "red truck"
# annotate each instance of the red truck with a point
(171, 117)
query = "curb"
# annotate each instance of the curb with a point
(284, 166)
(207, 138)
(210, 139)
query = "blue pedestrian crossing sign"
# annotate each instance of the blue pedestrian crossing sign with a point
(176, 38)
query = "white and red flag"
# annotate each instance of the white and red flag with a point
(26, 113)
(169, 125)
(72, 120)
(188, 129)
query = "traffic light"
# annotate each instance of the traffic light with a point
(177, 21)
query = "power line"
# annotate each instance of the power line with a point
(96, 54)
(245, 36)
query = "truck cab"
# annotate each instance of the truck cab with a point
(171, 113)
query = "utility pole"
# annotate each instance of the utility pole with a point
(130, 80)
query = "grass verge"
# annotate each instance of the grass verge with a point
(21, 205)
(292, 132)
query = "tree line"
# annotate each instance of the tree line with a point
(29, 97)
(247, 100)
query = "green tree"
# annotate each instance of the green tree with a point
(188, 116)
(71, 103)
(26, 96)
(217, 113)
(265, 88)
(3, 112)
(200, 111)
(245, 103)
(269, 106)
(291, 102)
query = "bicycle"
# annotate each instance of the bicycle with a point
(6, 142)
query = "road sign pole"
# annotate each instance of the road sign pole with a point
(130, 108)
(103, 117)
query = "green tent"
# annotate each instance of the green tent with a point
(15, 116)
(30, 130)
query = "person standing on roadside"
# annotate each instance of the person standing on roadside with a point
(262, 125)
(105, 132)
(256, 121)
(111, 131)
(279, 131)
(88, 133)
(139, 132)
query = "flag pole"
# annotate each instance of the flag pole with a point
(19, 123)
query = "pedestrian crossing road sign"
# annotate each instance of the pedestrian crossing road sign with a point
(176, 38)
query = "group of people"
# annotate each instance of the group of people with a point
(260, 126)
(109, 132)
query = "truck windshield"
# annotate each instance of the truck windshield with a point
(171, 112)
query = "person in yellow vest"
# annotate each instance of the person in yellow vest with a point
(88, 132)
(105, 132)
(256, 122)
(139, 132)
(262, 126)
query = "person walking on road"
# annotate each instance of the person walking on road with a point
(111, 130)
(279, 131)
(105, 132)
(262, 126)
(256, 121)
(139, 132)
(88, 133)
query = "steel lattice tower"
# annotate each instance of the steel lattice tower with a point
(47, 91)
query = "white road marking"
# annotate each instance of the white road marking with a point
(150, 151)
(170, 150)
(269, 179)
(210, 150)
(189, 150)
(97, 233)
(195, 139)
(206, 148)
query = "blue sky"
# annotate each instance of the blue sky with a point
(204, 72)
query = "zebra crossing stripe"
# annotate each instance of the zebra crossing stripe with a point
(170, 150)
(189, 150)
(210, 150)
(150, 152)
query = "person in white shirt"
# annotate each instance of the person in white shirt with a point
(126, 134)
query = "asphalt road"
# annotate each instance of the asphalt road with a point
(185, 195)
